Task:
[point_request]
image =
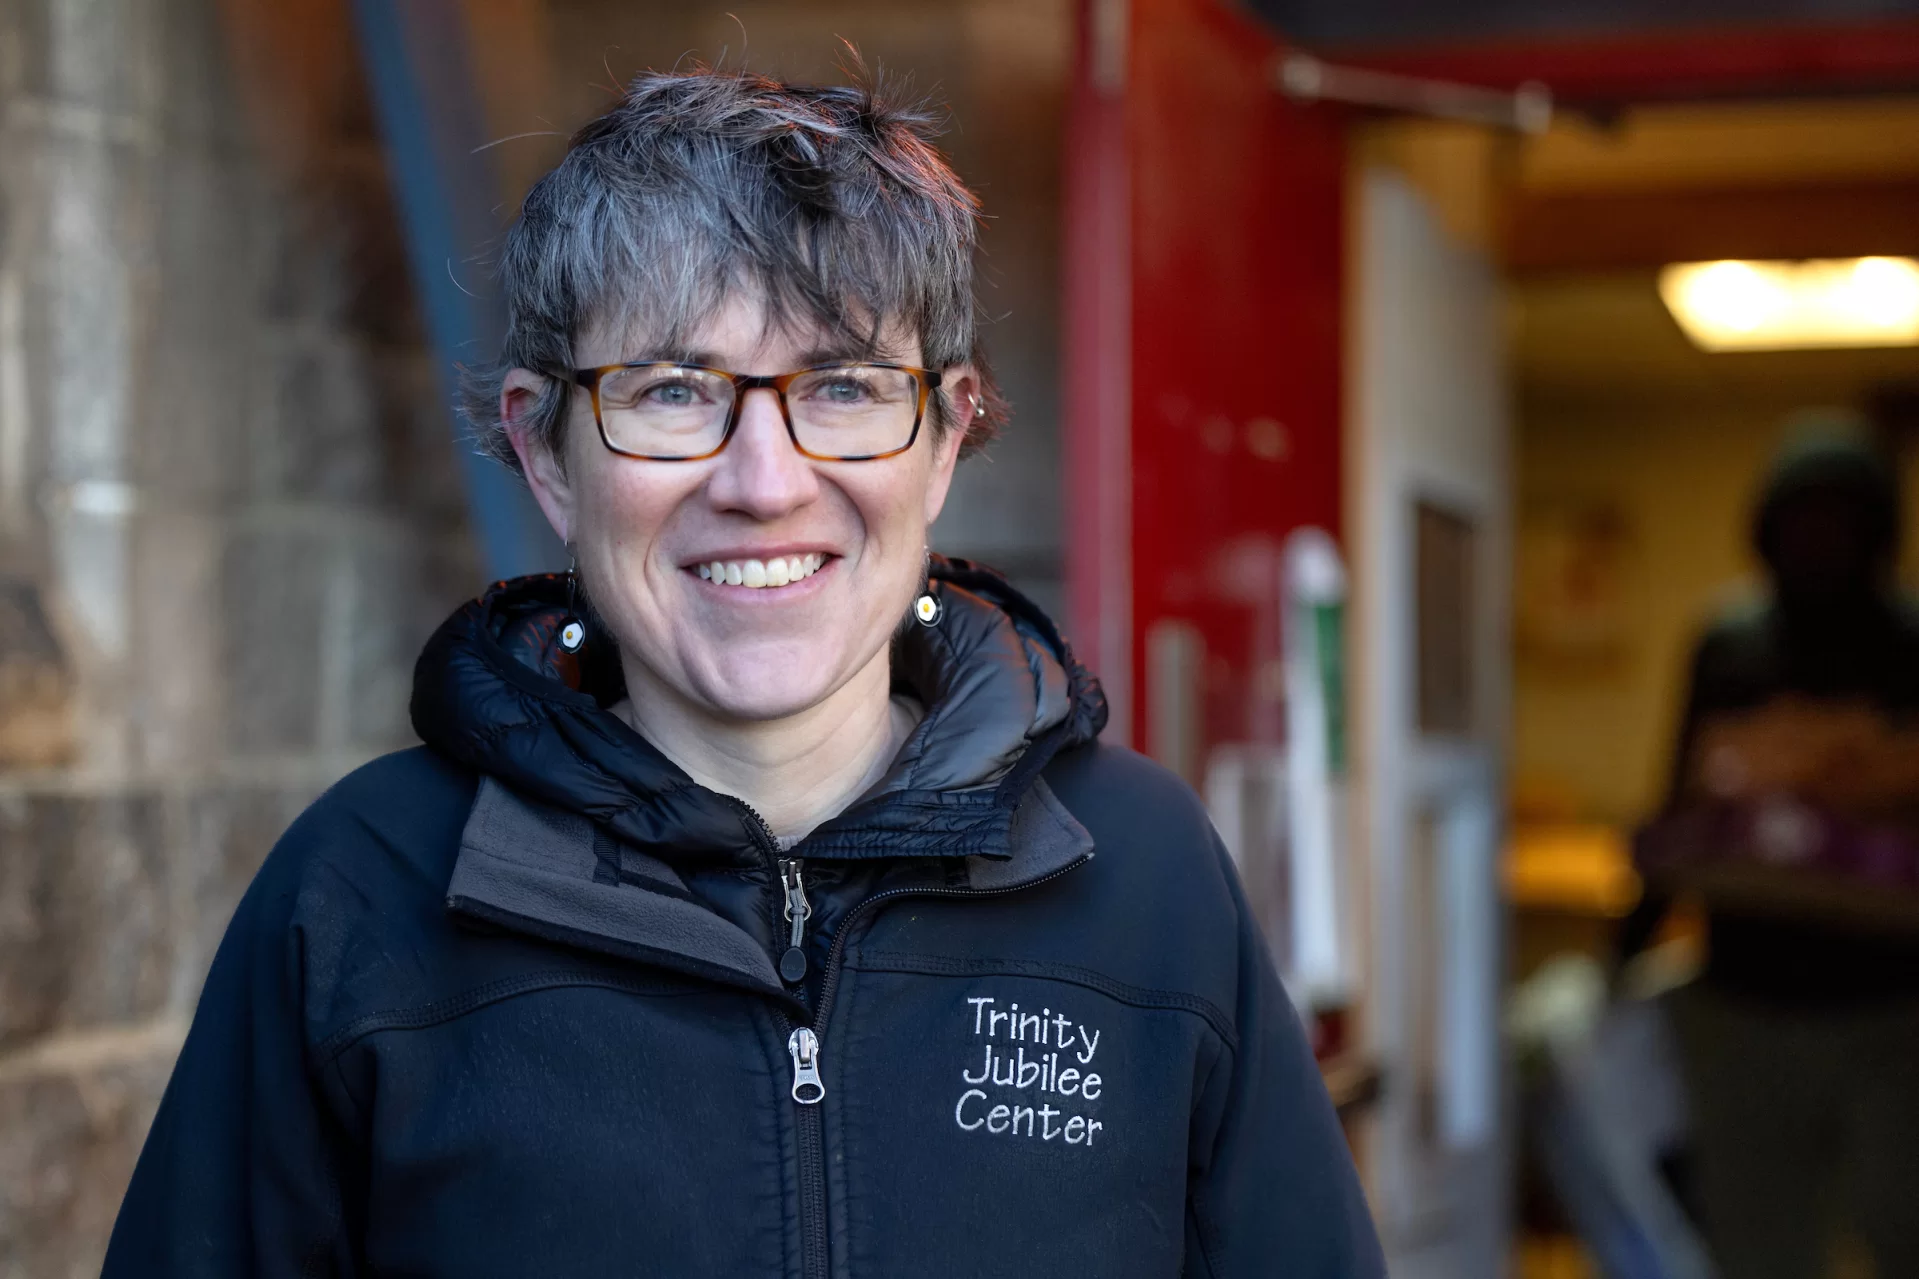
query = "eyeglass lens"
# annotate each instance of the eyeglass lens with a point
(675, 411)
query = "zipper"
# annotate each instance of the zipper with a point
(798, 911)
(803, 1042)
(804, 1047)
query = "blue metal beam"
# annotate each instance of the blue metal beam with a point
(419, 65)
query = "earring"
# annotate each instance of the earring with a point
(572, 630)
(927, 607)
(979, 407)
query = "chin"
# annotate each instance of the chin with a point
(767, 686)
(762, 704)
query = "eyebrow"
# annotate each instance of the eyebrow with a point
(838, 354)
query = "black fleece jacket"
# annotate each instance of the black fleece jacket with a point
(521, 1002)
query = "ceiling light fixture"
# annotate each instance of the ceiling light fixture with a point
(1787, 306)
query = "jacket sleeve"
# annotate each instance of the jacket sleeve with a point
(240, 1172)
(1272, 1188)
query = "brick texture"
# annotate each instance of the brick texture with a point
(230, 513)
(73, 1131)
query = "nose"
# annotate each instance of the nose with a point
(760, 473)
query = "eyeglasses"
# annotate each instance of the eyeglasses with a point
(685, 412)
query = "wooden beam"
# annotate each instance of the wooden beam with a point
(1627, 230)
(1737, 61)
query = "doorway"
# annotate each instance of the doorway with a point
(1636, 453)
(1639, 455)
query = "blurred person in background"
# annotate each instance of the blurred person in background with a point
(762, 901)
(1792, 813)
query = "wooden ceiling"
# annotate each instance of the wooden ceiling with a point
(1833, 178)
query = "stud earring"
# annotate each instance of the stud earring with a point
(927, 609)
(572, 630)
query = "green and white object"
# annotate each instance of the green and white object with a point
(1314, 604)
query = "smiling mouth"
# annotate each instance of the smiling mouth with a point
(781, 570)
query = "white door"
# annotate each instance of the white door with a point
(1429, 530)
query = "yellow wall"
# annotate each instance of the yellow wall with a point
(1597, 733)
(1592, 738)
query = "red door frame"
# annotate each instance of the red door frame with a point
(1096, 424)
(1202, 381)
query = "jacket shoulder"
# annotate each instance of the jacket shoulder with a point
(357, 880)
(375, 849)
(1154, 845)
(1121, 793)
(399, 814)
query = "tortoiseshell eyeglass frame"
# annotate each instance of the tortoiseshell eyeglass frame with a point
(928, 379)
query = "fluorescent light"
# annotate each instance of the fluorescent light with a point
(1783, 306)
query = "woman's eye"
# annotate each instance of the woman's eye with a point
(671, 395)
(841, 390)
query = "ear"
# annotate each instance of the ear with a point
(961, 385)
(545, 472)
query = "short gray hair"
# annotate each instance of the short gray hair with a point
(832, 203)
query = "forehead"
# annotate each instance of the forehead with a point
(740, 332)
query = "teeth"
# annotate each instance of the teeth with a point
(760, 574)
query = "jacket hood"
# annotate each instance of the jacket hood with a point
(1002, 692)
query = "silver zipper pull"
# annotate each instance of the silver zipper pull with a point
(804, 1047)
(798, 911)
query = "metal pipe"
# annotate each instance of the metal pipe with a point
(419, 66)
(1304, 78)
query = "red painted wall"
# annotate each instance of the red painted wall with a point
(1229, 265)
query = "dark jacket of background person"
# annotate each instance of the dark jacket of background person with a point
(1833, 632)
(508, 1005)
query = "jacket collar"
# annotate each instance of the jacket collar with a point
(1003, 696)
(550, 873)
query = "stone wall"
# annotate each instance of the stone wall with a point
(228, 517)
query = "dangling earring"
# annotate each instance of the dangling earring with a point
(927, 607)
(572, 630)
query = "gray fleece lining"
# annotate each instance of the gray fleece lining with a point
(524, 861)
(532, 862)
(1045, 838)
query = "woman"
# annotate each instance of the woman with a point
(777, 913)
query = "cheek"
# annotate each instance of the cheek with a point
(623, 510)
(895, 532)
(893, 509)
